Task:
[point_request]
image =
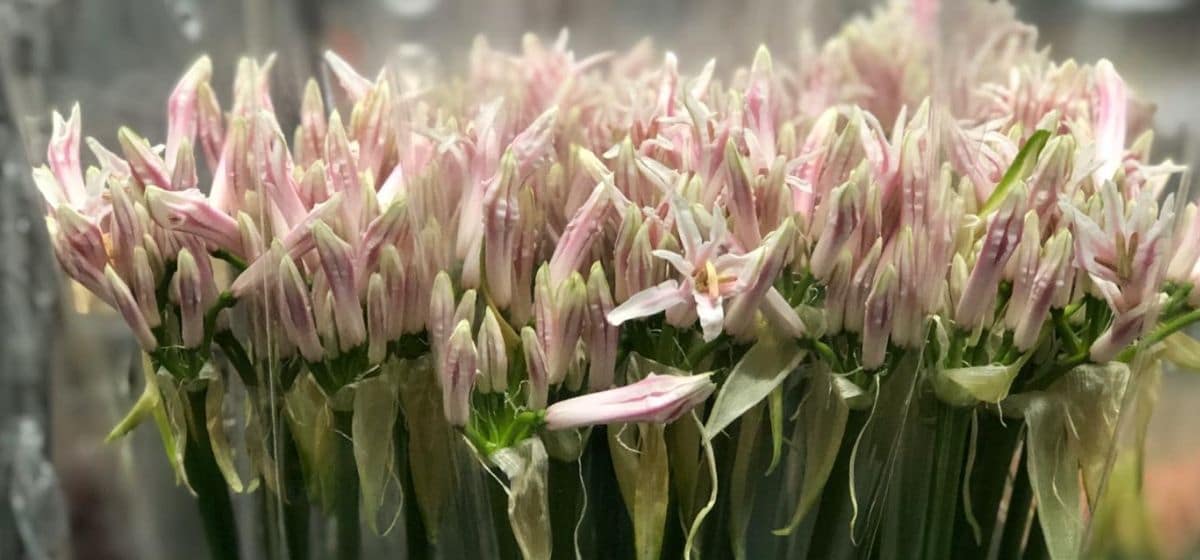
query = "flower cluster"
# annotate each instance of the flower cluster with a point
(535, 225)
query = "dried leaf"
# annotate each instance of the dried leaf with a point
(430, 438)
(214, 400)
(376, 406)
(639, 453)
(527, 469)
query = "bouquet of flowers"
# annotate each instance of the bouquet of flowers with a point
(906, 294)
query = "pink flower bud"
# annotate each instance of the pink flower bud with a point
(310, 136)
(144, 287)
(189, 292)
(574, 246)
(535, 364)
(560, 311)
(147, 168)
(62, 155)
(441, 312)
(296, 311)
(377, 319)
(1022, 268)
(493, 356)
(341, 172)
(395, 284)
(189, 212)
(659, 399)
(127, 305)
(602, 337)
(880, 315)
(353, 83)
(370, 124)
(1110, 123)
(762, 273)
(183, 174)
(182, 122)
(500, 218)
(209, 124)
(457, 375)
(82, 245)
(337, 260)
(296, 242)
(1051, 272)
(740, 198)
(999, 242)
(841, 219)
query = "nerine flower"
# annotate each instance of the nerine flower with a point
(710, 275)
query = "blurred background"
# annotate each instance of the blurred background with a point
(68, 370)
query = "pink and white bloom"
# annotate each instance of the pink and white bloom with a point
(710, 275)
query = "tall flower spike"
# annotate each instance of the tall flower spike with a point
(659, 399)
(457, 375)
(337, 261)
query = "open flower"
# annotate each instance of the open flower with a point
(710, 275)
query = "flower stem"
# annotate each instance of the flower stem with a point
(349, 540)
(212, 495)
(949, 445)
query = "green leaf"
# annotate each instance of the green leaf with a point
(639, 453)
(967, 385)
(214, 401)
(760, 371)
(743, 479)
(147, 404)
(375, 411)
(820, 425)
(171, 420)
(527, 469)
(1021, 167)
(775, 404)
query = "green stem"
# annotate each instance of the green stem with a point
(949, 446)
(295, 498)
(212, 495)
(415, 534)
(349, 540)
